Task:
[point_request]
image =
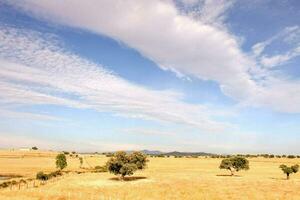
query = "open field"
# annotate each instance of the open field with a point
(165, 178)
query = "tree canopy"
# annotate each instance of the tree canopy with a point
(235, 163)
(289, 170)
(61, 161)
(124, 164)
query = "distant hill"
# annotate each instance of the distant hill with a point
(173, 153)
(176, 153)
(149, 152)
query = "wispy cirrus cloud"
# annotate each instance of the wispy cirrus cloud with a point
(289, 36)
(36, 70)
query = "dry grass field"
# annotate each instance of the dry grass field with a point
(165, 178)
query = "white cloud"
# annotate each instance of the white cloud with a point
(34, 70)
(290, 36)
(149, 132)
(280, 59)
(159, 32)
(178, 42)
(6, 113)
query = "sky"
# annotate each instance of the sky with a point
(187, 75)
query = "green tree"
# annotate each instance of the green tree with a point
(234, 164)
(34, 148)
(61, 161)
(123, 164)
(289, 170)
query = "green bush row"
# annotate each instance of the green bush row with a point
(42, 176)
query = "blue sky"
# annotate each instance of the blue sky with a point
(187, 75)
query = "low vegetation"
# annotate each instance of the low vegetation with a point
(165, 178)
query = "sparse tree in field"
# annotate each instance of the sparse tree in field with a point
(289, 170)
(124, 164)
(291, 156)
(61, 161)
(34, 148)
(81, 161)
(234, 164)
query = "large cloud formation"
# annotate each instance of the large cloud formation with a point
(35, 70)
(177, 42)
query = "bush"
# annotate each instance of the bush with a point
(54, 174)
(5, 184)
(42, 176)
(100, 169)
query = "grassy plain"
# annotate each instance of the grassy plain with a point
(165, 178)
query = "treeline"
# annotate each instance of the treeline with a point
(222, 156)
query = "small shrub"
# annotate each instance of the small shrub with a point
(55, 174)
(5, 184)
(42, 176)
(34, 148)
(100, 169)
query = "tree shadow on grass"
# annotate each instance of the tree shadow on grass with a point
(129, 178)
(228, 175)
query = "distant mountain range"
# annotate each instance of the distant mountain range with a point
(176, 153)
(172, 153)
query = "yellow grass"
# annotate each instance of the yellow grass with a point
(165, 178)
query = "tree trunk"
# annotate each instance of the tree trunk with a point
(232, 172)
(287, 176)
